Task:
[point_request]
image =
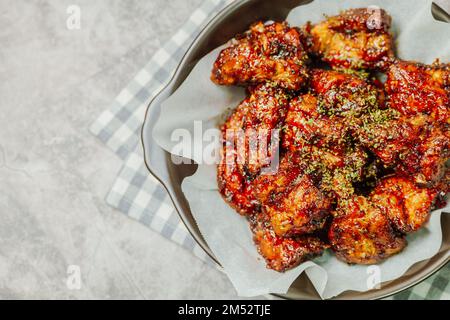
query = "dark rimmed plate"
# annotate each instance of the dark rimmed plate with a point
(232, 20)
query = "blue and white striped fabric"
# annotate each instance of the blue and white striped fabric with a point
(139, 195)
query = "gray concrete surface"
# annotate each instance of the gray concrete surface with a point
(54, 174)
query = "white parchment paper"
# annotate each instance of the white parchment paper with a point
(418, 37)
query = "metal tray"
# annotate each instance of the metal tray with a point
(232, 20)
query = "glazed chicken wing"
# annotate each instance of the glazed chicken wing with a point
(253, 129)
(406, 205)
(281, 253)
(349, 168)
(324, 142)
(272, 52)
(247, 144)
(305, 126)
(412, 145)
(235, 188)
(355, 39)
(415, 88)
(291, 166)
(420, 91)
(426, 161)
(387, 134)
(344, 94)
(291, 199)
(362, 234)
(336, 169)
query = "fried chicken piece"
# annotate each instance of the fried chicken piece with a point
(387, 134)
(290, 167)
(272, 52)
(406, 205)
(298, 210)
(247, 144)
(253, 129)
(338, 178)
(344, 94)
(355, 39)
(422, 92)
(305, 126)
(281, 253)
(235, 188)
(323, 142)
(426, 160)
(415, 88)
(411, 145)
(362, 234)
(291, 199)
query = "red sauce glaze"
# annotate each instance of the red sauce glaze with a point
(405, 204)
(361, 163)
(414, 88)
(272, 53)
(283, 253)
(355, 39)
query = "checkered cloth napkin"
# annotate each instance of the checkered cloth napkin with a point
(137, 193)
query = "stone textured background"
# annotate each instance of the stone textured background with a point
(54, 174)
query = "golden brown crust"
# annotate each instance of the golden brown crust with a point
(415, 88)
(421, 93)
(355, 39)
(291, 199)
(415, 146)
(259, 118)
(426, 161)
(305, 126)
(302, 208)
(362, 234)
(387, 134)
(323, 140)
(236, 189)
(345, 94)
(283, 253)
(406, 205)
(241, 159)
(271, 52)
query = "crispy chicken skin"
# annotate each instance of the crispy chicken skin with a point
(302, 208)
(362, 234)
(290, 167)
(250, 129)
(421, 93)
(318, 126)
(235, 188)
(242, 158)
(292, 201)
(339, 176)
(414, 146)
(387, 134)
(344, 94)
(305, 126)
(355, 39)
(406, 205)
(281, 253)
(272, 52)
(415, 88)
(426, 161)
